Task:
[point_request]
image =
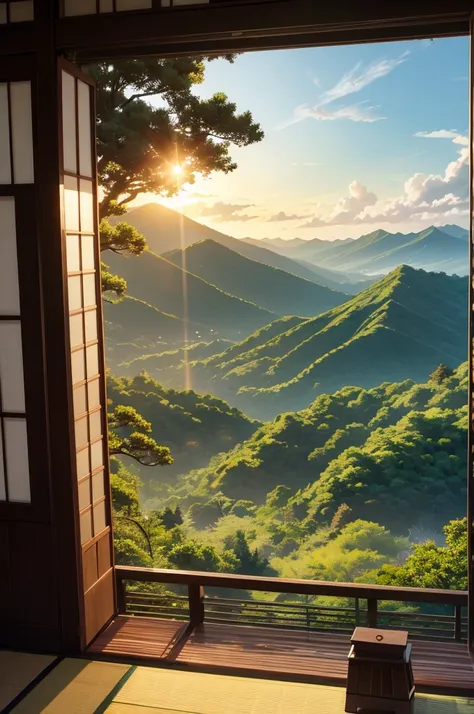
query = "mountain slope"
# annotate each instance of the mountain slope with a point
(401, 327)
(271, 288)
(167, 230)
(165, 286)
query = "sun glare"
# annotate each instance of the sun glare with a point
(177, 170)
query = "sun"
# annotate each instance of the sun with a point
(177, 169)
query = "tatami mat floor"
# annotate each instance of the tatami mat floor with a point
(78, 686)
(17, 671)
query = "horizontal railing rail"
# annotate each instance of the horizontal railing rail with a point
(365, 609)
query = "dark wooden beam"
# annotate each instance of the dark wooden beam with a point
(321, 39)
(258, 25)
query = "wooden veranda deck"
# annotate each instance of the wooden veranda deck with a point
(441, 667)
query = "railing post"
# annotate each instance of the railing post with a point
(372, 612)
(121, 596)
(196, 603)
(457, 623)
(357, 611)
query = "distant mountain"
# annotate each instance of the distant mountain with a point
(455, 231)
(431, 249)
(381, 251)
(271, 288)
(167, 230)
(275, 243)
(187, 297)
(401, 327)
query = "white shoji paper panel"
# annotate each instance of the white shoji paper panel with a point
(11, 367)
(76, 330)
(71, 204)
(106, 5)
(9, 287)
(88, 254)
(78, 368)
(92, 361)
(85, 134)
(84, 494)
(22, 132)
(98, 486)
(22, 11)
(97, 456)
(93, 392)
(74, 293)
(133, 4)
(99, 518)
(81, 432)
(80, 400)
(83, 463)
(90, 319)
(3, 493)
(90, 290)
(69, 122)
(85, 522)
(5, 167)
(18, 470)
(95, 425)
(79, 7)
(87, 206)
(73, 253)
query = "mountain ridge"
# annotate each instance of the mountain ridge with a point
(270, 288)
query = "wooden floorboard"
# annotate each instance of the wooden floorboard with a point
(272, 652)
(138, 637)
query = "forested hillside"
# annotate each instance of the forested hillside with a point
(400, 327)
(332, 491)
(193, 426)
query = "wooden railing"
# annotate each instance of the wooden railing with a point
(370, 604)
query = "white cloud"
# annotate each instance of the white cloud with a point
(425, 196)
(351, 83)
(220, 212)
(438, 134)
(359, 77)
(282, 216)
(361, 112)
(347, 208)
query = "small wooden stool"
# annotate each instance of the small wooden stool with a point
(380, 676)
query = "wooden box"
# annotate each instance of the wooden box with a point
(380, 676)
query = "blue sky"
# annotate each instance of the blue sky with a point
(356, 138)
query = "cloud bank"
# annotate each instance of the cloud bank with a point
(425, 196)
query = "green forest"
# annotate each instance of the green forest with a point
(289, 408)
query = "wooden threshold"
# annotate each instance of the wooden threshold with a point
(292, 655)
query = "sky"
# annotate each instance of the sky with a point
(357, 138)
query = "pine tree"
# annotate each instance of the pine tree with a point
(441, 373)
